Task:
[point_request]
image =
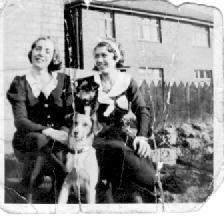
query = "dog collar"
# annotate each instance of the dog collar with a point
(80, 150)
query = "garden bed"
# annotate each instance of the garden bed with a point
(189, 180)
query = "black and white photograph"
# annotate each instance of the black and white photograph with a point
(110, 106)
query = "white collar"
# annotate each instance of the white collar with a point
(37, 89)
(121, 84)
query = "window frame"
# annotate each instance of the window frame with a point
(146, 68)
(196, 40)
(199, 76)
(148, 22)
(106, 18)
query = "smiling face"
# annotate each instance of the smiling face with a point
(104, 60)
(42, 54)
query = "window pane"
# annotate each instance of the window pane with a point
(152, 22)
(201, 73)
(200, 36)
(101, 27)
(196, 73)
(209, 74)
(105, 25)
(149, 30)
(146, 32)
(109, 28)
(154, 34)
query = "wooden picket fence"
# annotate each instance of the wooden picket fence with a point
(188, 102)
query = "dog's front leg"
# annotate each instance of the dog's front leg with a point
(64, 194)
(90, 194)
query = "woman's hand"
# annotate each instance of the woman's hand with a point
(57, 135)
(141, 146)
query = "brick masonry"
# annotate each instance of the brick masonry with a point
(25, 21)
(176, 40)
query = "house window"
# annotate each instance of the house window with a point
(203, 74)
(149, 29)
(106, 25)
(209, 74)
(201, 36)
(152, 74)
(196, 74)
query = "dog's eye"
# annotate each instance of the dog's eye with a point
(85, 124)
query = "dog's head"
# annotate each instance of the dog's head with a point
(86, 94)
(82, 127)
(82, 130)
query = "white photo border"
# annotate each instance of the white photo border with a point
(137, 208)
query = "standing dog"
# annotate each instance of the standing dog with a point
(81, 165)
(86, 92)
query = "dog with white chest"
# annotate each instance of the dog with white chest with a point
(81, 164)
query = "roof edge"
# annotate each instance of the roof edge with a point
(139, 12)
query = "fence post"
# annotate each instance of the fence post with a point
(188, 102)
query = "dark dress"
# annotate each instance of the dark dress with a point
(34, 114)
(118, 162)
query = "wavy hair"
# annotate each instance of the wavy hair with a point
(112, 47)
(56, 61)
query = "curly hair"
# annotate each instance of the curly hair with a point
(56, 61)
(112, 47)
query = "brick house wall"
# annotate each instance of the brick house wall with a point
(24, 22)
(176, 40)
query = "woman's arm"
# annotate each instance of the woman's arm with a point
(21, 120)
(17, 97)
(142, 112)
(140, 109)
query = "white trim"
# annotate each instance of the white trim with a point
(151, 14)
(122, 83)
(37, 89)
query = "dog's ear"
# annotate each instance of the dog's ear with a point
(69, 120)
(96, 126)
(87, 84)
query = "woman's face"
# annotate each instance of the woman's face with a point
(42, 54)
(104, 59)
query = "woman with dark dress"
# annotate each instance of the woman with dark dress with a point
(40, 100)
(121, 161)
